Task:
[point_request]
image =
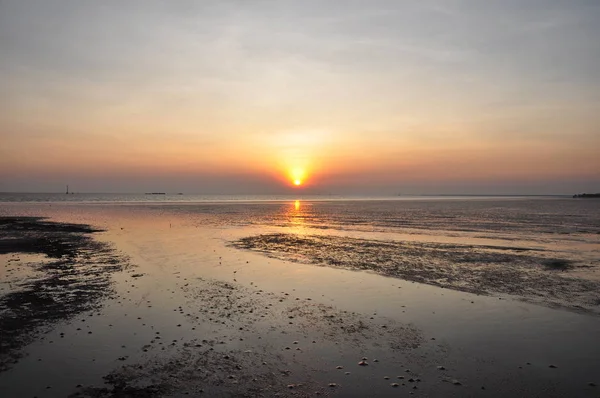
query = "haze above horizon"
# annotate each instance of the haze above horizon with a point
(341, 97)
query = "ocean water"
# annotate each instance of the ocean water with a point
(194, 198)
(545, 220)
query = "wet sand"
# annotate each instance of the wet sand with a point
(182, 311)
(530, 274)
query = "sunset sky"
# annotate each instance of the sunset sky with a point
(246, 96)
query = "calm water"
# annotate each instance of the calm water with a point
(512, 218)
(178, 198)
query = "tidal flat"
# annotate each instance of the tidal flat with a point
(534, 275)
(300, 299)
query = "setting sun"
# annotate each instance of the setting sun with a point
(297, 176)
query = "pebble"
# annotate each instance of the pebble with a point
(394, 384)
(441, 368)
(362, 363)
(553, 366)
(332, 385)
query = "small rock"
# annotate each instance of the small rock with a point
(394, 384)
(553, 366)
(362, 363)
(339, 367)
(332, 385)
(441, 368)
(456, 382)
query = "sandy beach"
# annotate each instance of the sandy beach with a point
(300, 299)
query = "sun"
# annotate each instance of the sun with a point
(297, 176)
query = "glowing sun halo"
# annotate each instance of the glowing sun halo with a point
(297, 182)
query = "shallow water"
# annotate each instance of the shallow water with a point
(481, 340)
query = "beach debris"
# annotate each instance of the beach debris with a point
(553, 366)
(363, 363)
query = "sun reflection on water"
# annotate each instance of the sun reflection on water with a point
(297, 215)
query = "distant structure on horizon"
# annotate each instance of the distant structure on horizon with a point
(67, 190)
(587, 195)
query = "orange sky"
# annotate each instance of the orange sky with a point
(350, 98)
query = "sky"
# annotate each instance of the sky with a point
(347, 96)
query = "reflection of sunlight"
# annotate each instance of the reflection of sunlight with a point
(296, 216)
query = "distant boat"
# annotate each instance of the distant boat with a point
(587, 195)
(155, 193)
(179, 193)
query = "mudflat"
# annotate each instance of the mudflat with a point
(238, 300)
